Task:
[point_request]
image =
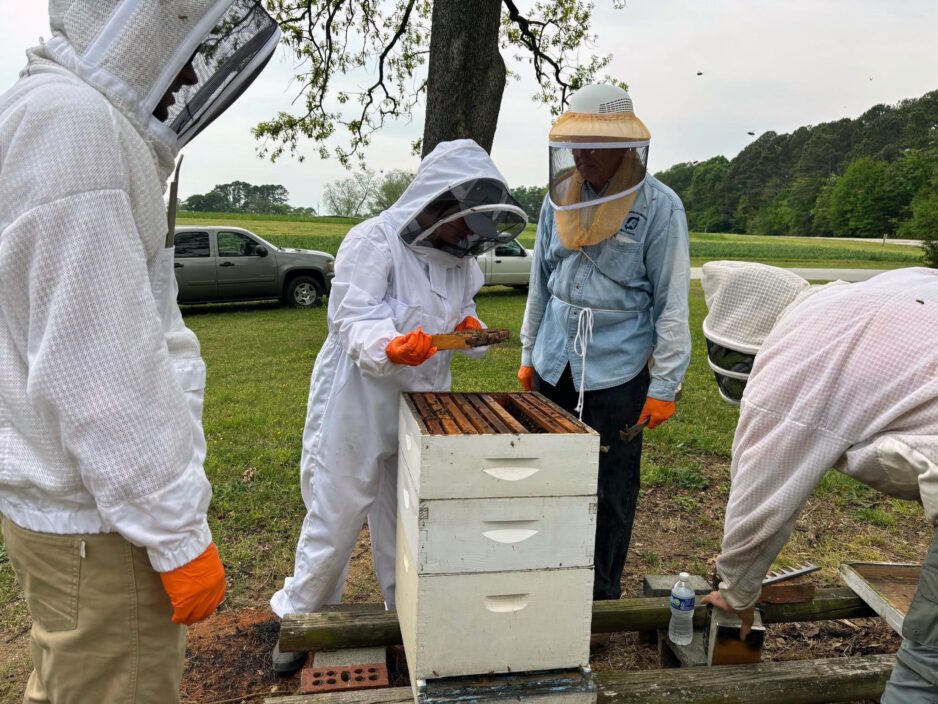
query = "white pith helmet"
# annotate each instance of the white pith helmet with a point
(598, 99)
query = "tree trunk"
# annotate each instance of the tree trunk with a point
(466, 73)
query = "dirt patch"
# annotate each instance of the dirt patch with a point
(228, 655)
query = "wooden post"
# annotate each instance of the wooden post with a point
(366, 628)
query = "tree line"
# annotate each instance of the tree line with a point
(365, 193)
(243, 197)
(869, 177)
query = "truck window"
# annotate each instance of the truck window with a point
(234, 244)
(192, 244)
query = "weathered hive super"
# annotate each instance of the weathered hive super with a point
(496, 526)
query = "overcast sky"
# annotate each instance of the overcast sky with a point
(767, 65)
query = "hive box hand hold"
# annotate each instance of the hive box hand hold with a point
(494, 445)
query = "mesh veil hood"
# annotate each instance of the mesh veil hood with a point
(131, 51)
(745, 300)
(448, 165)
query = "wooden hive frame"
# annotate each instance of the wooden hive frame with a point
(491, 413)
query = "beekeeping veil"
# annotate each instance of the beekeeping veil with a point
(133, 51)
(744, 300)
(458, 203)
(598, 162)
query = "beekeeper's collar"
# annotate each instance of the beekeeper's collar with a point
(458, 204)
(132, 51)
(583, 148)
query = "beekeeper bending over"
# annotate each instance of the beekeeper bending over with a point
(400, 277)
(609, 290)
(840, 376)
(102, 487)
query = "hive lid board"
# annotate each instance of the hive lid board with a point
(887, 587)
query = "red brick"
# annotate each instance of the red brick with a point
(344, 678)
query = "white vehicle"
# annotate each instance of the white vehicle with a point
(507, 265)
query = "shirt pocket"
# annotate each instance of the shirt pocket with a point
(621, 261)
(408, 316)
(48, 568)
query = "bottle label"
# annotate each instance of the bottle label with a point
(682, 603)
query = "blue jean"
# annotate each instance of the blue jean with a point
(607, 411)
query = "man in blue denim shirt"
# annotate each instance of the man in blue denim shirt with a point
(608, 294)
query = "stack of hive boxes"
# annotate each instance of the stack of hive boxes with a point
(496, 527)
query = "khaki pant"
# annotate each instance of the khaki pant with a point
(102, 629)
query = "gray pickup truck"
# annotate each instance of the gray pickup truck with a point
(216, 264)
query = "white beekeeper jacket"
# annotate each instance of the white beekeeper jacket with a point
(384, 288)
(100, 381)
(847, 378)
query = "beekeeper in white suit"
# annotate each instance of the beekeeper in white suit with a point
(400, 277)
(102, 488)
(838, 376)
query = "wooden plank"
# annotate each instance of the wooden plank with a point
(579, 425)
(449, 425)
(497, 425)
(426, 414)
(449, 404)
(539, 402)
(468, 410)
(799, 590)
(534, 414)
(562, 421)
(513, 425)
(392, 695)
(828, 604)
(792, 682)
(353, 629)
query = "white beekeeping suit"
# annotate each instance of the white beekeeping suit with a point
(845, 378)
(100, 381)
(392, 275)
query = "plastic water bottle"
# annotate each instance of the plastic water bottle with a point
(681, 628)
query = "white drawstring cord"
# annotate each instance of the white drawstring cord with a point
(584, 333)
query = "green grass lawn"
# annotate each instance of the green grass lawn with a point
(326, 234)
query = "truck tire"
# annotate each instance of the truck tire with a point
(303, 292)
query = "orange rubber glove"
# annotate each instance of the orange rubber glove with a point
(656, 411)
(411, 349)
(526, 377)
(469, 323)
(197, 588)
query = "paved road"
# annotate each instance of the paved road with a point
(821, 274)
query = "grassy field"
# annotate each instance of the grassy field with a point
(326, 234)
(259, 359)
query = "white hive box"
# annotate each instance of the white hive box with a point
(495, 536)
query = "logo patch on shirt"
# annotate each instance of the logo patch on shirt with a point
(632, 222)
(627, 232)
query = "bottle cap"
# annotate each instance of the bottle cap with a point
(684, 577)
